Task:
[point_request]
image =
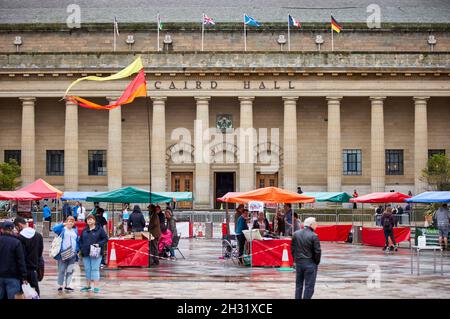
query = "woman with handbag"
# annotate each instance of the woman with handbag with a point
(92, 239)
(68, 252)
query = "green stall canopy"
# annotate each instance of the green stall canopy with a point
(137, 195)
(335, 197)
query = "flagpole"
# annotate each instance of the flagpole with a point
(114, 31)
(245, 36)
(157, 28)
(289, 33)
(203, 29)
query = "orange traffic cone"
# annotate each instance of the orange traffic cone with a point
(112, 264)
(200, 232)
(285, 261)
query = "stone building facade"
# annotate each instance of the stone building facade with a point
(366, 116)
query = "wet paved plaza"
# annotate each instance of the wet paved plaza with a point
(346, 271)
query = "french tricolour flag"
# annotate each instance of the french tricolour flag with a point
(293, 22)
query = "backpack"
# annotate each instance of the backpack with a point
(387, 222)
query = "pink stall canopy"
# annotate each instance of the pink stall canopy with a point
(17, 195)
(383, 197)
(42, 189)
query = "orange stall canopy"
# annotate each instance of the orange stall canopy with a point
(42, 189)
(17, 195)
(382, 197)
(268, 195)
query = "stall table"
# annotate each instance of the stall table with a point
(130, 252)
(374, 236)
(268, 253)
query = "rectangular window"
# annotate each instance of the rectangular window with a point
(434, 152)
(97, 163)
(394, 162)
(352, 162)
(55, 163)
(13, 154)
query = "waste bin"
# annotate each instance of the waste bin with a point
(209, 230)
(357, 234)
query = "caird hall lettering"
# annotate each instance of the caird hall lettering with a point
(212, 85)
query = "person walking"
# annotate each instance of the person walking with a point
(442, 216)
(68, 254)
(388, 223)
(13, 270)
(81, 212)
(47, 214)
(66, 210)
(171, 224)
(103, 223)
(92, 240)
(155, 231)
(33, 245)
(136, 221)
(306, 251)
(241, 226)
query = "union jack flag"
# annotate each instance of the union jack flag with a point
(207, 20)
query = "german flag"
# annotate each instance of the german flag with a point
(335, 25)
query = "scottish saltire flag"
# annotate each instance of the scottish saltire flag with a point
(294, 22)
(250, 21)
(160, 25)
(207, 20)
(116, 26)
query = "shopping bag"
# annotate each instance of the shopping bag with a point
(95, 251)
(56, 246)
(29, 292)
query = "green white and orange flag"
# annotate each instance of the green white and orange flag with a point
(131, 69)
(137, 88)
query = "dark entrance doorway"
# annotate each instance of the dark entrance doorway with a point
(224, 182)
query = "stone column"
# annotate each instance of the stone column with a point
(420, 142)
(158, 142)
(377, 156)
(246, 143)
(71, 147)
(334, 152)
(290, 144)
(202, 165)
(114, 147)
(28, 160)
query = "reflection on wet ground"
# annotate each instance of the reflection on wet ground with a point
(346, 271)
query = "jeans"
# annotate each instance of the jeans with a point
(92, 268)
(389, 232)
(9, 287)
(65, 272)
(241, 242)
(49, 219)
(306, 276)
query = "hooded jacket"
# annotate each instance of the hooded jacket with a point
(33, 246)
(12, 261)
(136, 221)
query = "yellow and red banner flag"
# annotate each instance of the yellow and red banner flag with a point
(137, 88)
(131, 69)
(335, 25)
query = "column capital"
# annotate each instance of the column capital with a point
(27, 98)
(246, 98)
(377, 98)
(420, 98)
(334, 98)
(158, 98)
(290, 98)
(202, 98)
(69, 102)
(112, 98)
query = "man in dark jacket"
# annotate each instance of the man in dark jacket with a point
(13, 269)
(33, 246)
(388, 222)
(306, 251)
(136, 221)
(154, 228)
(162, 218)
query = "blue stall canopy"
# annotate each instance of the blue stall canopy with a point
(176, 196)
(79, 195)
(430, 197)
(335, 197)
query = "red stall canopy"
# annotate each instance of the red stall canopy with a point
(17, 195)
(269, 195)
(384, 197)
(42, 189)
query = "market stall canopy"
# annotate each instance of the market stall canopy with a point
(79, 195)
(430, 197)
(42, 189)
(270, 195)
(336, 197)
(122, 195)
(173, 196)
(227, 195)
(383, 197)
(18, 195)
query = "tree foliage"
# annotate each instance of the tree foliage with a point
(437, 172)
(9, 174)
